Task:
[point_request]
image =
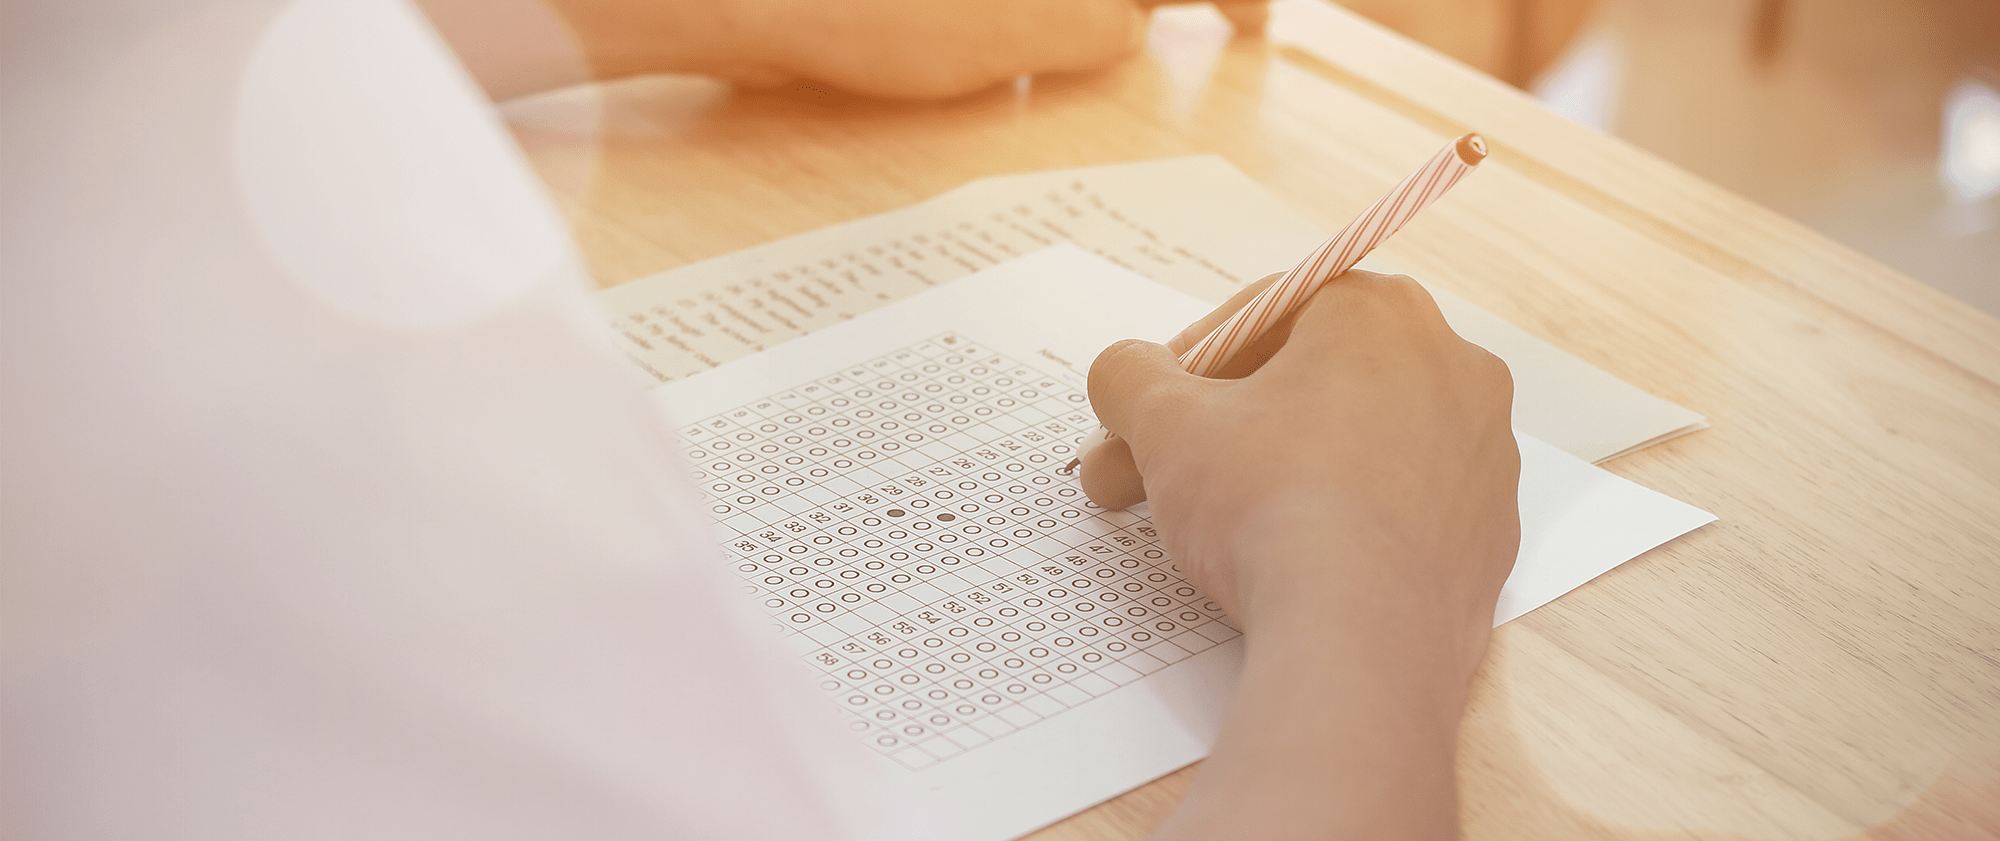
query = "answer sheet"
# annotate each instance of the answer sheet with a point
(1196, 224)
(889, 488)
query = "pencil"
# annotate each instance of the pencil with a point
(1333, 257)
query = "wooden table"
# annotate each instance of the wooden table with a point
(1822, 663)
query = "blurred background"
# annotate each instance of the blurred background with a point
(1876, 122)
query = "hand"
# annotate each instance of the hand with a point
(1351, 501)
(1371, 454)
(899, 49)
(927, 49)
(904, 49)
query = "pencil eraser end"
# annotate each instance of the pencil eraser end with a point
(1471, 149)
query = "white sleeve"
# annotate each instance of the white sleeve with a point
(327, 513)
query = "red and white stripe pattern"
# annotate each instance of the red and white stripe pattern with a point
(1336, 255)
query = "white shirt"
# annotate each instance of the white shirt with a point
(328, 513)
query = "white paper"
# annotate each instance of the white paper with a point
(1577, 522)
(966, 768)
(1196, 224)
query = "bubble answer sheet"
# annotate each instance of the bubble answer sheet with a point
(890, 489)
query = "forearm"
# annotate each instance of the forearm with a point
(1344, 725)
(898, 49)
(519, 47)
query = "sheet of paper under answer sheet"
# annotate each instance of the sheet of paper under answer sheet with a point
(1195, 224)
(890, 488)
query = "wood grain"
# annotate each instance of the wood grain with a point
(1822, 663)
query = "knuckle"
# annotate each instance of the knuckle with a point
(1409, 296)
(1489, 372)
(1396, 295)
(1496, 369)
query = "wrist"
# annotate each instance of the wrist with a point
(1425, 663)
(1383, 606)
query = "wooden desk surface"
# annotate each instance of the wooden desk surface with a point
(1822, 663)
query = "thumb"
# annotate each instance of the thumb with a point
(1127, 382)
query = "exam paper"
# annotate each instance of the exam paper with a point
(1196, 224)
(888, 488)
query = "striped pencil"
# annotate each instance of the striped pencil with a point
(1336, 255)
(1328, 261)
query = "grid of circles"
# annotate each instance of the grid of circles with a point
(907, 521)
